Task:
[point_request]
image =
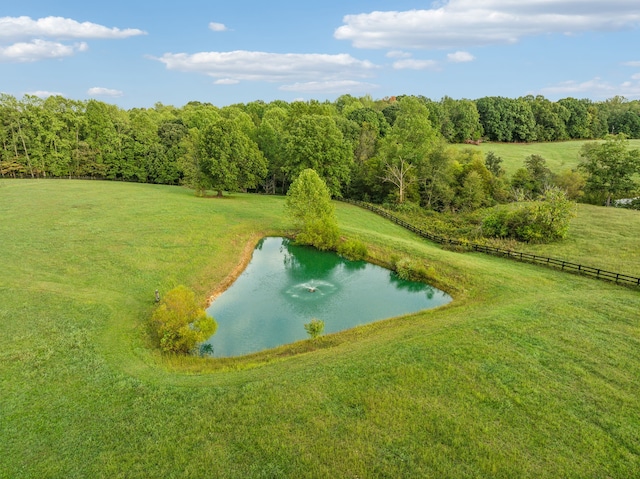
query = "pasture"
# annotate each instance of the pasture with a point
(560, 156)
(529, 372)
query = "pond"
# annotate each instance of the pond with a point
(286, 285)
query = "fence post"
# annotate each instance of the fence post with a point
(491, 250)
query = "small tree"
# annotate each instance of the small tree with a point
(314, 328)
(494, 164)
(541, 175)
(572, 182)
(611, 167)
(309, 202)
(179, 323)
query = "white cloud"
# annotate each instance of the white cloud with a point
(43, 93)
(100, 91)
(226, 81)
(398, 54)
(460, 57)
(464, 23)
(218, 27)
(23, 39)
(15, 28)
(38, 50)
(340, 86)
(636, 76)
(595, 88)
(413, 64)
(273, 67)
(632, 64)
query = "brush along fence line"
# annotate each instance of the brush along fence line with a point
(598, 273)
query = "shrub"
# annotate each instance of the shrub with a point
(314, 328)
(353, 249)
(496, 223)
(539, 221)
(413, 270)
(179, 323)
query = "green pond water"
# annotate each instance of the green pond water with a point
(285, 286)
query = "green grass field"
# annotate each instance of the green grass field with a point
(530, 372)
(560, 156)
(605, 238)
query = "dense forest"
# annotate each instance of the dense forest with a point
(392, 149)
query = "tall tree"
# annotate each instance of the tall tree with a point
(314, 141)
(578, 121)
(550, 118)
(460, 120)
(271, 135)
(406, 147)
(227, 158)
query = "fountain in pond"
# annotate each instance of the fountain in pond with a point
(271, 301)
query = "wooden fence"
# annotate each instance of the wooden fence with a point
(598, 273)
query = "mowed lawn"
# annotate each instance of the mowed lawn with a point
(530, 372)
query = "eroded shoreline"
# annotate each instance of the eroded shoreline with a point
(245, 259)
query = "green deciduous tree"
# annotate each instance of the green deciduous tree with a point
(494, 164)
(540, 173)
(271, 134)
(179, 323)
(610, 167)
(405, 149)
(227, 159)
(309, 203)
(577, 122)
(460, 120)
(473, 183)
(506, 119)
(572, 182)
(314, 141)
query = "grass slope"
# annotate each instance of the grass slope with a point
(605, 238)
(560, 156)
(528, 373)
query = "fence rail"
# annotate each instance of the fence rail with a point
(568, 266)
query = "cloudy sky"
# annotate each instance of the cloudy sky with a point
(136, 53)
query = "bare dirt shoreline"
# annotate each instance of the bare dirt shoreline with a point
(245, 258)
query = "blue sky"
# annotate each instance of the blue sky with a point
(136, 53)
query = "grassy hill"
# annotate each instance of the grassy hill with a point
(560, 156)
(528, 373)
(605, 238)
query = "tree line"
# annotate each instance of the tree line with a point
(393, 149)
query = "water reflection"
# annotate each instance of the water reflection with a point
(301, 262)
(412, 286)
(286, 285)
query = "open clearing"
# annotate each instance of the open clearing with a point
(530, 372)
(560, 156)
